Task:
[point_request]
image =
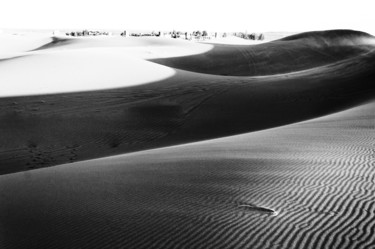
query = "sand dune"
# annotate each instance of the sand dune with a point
(294, 53)
(146, 47)
(72, 71)
(14, 44)
(297, 174)
(185, 107)
(317, 175)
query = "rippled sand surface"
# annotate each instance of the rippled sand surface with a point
(276, 159)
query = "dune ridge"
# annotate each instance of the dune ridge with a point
(317, 174)
(332, 37)
(76, 71)
(293, 53)
(264, 146)
(187, 107)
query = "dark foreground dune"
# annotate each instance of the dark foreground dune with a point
(318, 176)
(47, 130)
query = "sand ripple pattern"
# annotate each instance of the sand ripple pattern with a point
(300, 185)
(318, 175)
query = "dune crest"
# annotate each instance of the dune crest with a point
(73, 71)
(319, 174)
(333, 38)
(16, 45)
(146, 105)
(188, 145)
(144, 47)
(287, 55)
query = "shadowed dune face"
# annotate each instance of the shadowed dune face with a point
(293, 53)
(46, 130)
(317, 175)
(332, 37)
(56, 42)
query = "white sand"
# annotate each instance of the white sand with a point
(83, 64)
(232, 40)
(12, 44)
(140, 47)
(79, 70)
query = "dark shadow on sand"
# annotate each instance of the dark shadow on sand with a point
(48, 130)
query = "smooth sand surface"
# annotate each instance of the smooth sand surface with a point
(80, 70)
(145, 47)
(61, 64)
(298, 174)
(11, 44)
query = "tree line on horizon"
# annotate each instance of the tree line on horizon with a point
(86, 33)
(252, 36)
(175, 34)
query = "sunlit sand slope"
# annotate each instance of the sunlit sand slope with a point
(15, 44)
(76, 71)
(154, 106)
(306, 185)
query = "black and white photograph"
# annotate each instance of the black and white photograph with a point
(187, 124)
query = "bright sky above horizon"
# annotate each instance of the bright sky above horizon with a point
(228, 15)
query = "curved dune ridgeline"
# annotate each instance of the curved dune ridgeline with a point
(298, 174)
(195, 104)
(317, 176)
(290, 54)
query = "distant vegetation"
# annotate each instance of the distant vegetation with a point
(194, 35)
(86, 33)
(252, 36)
(153, 33)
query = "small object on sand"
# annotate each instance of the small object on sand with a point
(255, 208)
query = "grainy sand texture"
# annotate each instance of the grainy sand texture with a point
(116, 142)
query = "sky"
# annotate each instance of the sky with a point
(211, 15)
